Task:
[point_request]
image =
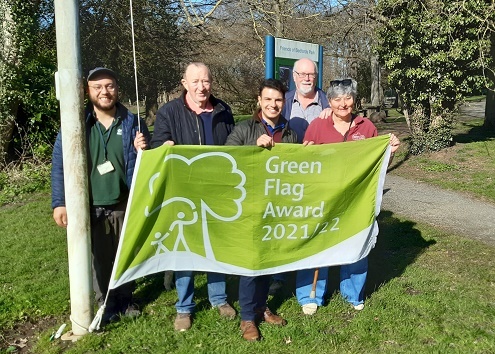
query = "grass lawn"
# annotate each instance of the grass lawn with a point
(467, 166)
(427, 291)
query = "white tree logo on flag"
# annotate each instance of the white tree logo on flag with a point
(188, 214)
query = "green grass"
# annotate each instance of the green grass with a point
(475, 98)
(34, 263)
(427, 292)
(467, 166)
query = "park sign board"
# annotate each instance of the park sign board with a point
(281, 54)
(286, 48)
(251, 211)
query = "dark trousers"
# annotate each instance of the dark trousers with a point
(106, 225)
(253, 293)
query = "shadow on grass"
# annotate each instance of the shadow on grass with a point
(476, 133)
(399, 244)
(149, 288)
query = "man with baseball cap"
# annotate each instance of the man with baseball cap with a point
(112, 137)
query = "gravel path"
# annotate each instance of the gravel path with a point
(440, 208)
(443, 209)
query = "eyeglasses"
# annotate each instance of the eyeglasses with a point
(345, 82)
(303, 75)
(98, 88)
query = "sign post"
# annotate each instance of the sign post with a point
(281, 54)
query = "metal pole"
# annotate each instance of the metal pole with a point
(269, 57)
(69, 88)
(320, 67)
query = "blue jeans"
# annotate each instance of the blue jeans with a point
(184, 283)
(352, 281)
(304, 284)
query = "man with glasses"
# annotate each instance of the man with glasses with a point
(306, 101)
(195, 118)
(113, 138)
(302, 106)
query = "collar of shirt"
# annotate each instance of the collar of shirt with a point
(279, 126)
(115, 121)
(316, 100)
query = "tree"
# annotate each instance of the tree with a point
(432, 49)
(160, 45)
(8, 102)
(27, 64)
(490, 95)
(234, 31)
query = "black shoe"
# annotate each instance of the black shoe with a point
(110, 315)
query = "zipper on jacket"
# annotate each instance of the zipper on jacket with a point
(199, 131)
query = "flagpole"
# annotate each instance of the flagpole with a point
(69, 88)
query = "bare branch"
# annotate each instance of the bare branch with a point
(195, 19)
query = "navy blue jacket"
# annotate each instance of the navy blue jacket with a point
(129, 130)
(299, 125)
(176, 122)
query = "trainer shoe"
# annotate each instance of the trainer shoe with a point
(270, 317)
(182, 322)
(132, 311)
(226, 311)
(275, 286)
(358, 307)
(250, 331)
(309, 309)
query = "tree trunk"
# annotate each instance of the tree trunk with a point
(490, 95)
(8, 103)
(376, 93)
(279, 26)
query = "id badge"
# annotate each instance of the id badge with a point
(105, 167)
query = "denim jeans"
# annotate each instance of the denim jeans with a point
(304, 284)
(352, 281)
(184, 283)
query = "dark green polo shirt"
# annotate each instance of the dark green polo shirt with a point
(106, 144)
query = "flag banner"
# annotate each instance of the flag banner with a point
(250, 211)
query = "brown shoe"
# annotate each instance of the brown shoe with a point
(226, 311)
(271, 318)
(249, 331)
(182, 322)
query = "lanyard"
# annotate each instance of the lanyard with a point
(105, 142)
(349, 129)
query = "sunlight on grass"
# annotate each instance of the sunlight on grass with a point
(427, 292)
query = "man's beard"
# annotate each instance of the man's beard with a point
(304, 90)
(108, 107)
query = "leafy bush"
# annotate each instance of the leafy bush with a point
(18, 180)
(434, 139)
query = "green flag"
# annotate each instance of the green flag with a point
(251, 211)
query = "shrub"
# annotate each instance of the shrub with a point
(20, 179)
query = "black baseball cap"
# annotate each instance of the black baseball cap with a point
(101, 70)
